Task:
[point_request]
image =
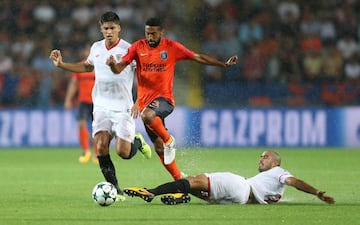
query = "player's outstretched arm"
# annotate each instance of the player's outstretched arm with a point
(55, 56)
(305, 187)
(208, 60)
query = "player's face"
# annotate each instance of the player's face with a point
(267, 161)
(153, 35)
(110, 32)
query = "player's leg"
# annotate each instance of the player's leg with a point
(89, 113)
(83, 133)
(107, 167)
(174, 192)
(172, 168)
(127, 142)
(101, 127)
(153, 117)
(177, 191)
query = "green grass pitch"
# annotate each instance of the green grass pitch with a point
(50, 187)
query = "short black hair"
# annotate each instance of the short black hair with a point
(109, 17)
(154, 22)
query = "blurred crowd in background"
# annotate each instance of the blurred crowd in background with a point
(292, 52)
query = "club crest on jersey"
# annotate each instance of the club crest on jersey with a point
(154, 104)
(164, 55)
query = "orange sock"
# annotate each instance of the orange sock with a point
(84, 139)
(172, 169)
(158, 127)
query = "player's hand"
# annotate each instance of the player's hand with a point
(321, 195)
(231, 61)
(55, 56)
(135, 112)
(111, 61)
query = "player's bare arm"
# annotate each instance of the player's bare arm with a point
(70, 93)
(116, 67)
(56, 57)
(208, 60)
(305, 187)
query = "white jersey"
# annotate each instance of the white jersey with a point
(269, 186)
(111, 91)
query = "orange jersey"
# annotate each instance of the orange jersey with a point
(86, 82)
(155, 68)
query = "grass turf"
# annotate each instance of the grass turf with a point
(50, 187)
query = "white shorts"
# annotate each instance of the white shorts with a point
(116, 123)
(228, 188)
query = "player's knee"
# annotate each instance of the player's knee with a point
(103, 149)
(146, 119)
(123, 154)
(147, 116)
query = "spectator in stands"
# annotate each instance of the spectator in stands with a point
(347, 45)
(286, 8)
(10, 84)
(28, 86)
(310, 24)
(212, 47)
(44, 12)
(6, 61)
(333, 63)
(345, 17)
(312, 63)
(250, 31)
(310, 42)
(352, 69)
(44, 67)
(253, 67)
(289, 58)
(327, 30)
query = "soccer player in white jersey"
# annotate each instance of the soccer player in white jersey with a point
(112, 98)
(266, 187)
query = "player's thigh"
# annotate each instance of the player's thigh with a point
(161, 107)
(124, 130)
(102, 122)
(122, 147)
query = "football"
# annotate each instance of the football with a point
(104, 193)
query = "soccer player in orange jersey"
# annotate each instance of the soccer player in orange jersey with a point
(156, 58)
(81, 84)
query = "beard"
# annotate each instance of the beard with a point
(154, 44)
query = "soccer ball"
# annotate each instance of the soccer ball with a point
(104, 193)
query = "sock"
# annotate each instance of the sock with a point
(158, 127)
(181, 185)
(108, 170)
(134, 147)
(84, 139)
(172, 168)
